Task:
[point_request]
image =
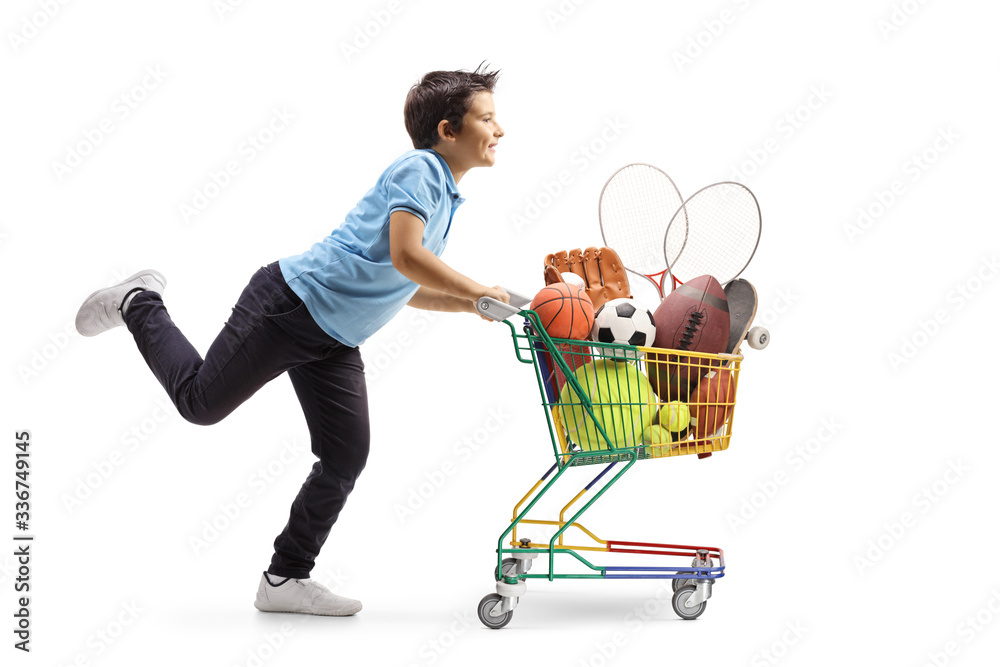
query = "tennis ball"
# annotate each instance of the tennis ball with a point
(623, 405)
(675, 416)
(656, 435)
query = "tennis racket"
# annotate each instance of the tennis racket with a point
(715, 232)
(638, 204)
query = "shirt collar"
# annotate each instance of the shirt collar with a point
(452, 186)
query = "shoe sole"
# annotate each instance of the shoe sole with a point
(308, 613)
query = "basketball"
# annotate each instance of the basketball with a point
(564, 310)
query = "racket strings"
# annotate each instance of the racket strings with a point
(723, 228)
(637, 205)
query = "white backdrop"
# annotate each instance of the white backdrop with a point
(855, 502)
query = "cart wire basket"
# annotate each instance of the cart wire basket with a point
(611, 405)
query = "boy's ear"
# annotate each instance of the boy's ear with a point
(445, 131)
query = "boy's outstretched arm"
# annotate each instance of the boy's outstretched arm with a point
(442, 287)
(431, 299)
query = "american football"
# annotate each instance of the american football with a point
(695, 317)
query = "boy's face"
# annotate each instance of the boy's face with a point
(475, 145)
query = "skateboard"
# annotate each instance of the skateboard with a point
(742, 299)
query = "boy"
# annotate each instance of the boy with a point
(307, 315)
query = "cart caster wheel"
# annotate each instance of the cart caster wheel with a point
(509, 566)
(758, 337)
(695, 562)
(493, 622)
(687, 613)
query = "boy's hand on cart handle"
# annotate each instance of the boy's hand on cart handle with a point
(497, 293)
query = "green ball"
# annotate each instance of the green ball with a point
(623, 404)
(675, 416)
(656, 435)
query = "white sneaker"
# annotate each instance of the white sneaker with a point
(102, 309)
(302, 596)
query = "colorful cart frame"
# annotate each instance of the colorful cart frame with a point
(621, 435)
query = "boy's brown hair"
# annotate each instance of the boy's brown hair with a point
(443, 95)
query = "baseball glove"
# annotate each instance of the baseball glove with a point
(603, 275)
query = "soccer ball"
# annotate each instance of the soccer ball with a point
(626, 322)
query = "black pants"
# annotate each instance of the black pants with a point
(271, 332)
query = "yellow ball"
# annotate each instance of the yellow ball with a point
(675, 416)
(656, 435)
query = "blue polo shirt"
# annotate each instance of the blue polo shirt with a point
(347, 281)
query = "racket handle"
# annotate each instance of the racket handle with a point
(498, 310)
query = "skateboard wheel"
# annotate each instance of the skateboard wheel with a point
(758, 338)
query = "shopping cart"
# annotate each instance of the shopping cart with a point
(599, 412)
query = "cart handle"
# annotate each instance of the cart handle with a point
(498, 310)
